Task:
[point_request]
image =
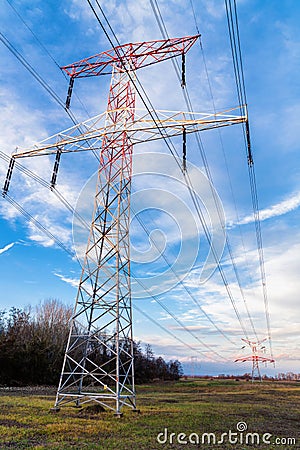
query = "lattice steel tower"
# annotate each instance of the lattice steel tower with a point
(256, 358)
(99, 359)
(100, 350)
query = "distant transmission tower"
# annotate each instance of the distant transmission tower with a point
(194, 366)
(99, 360)
(256, 358)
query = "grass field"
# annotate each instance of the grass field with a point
(183, 407)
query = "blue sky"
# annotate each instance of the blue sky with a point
(33, 268)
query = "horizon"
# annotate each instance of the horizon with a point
(34, 268)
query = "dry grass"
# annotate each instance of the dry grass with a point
(183, 407)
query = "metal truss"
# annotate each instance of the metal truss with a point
(256, 358)
(99, 360)
(139, 54)
(88, 135)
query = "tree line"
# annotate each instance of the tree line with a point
(33, 342)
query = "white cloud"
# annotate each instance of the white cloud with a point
(279, 209)
(20, 126)
(74, 282)
(282, 269)
(7, 247)
(134, 21)
(37, 200)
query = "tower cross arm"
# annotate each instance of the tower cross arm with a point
(167, 124)
(147, 126)
(130, 55)
(254, 358)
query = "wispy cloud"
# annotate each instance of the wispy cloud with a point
(278, 209)
(72, 281)
(7, 247)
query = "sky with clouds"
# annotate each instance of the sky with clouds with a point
(189, 314)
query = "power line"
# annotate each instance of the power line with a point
(155, 297)
(165, 34)
(220, 137)
(231, 190)
(170, 332)
(37, 223)
(41, 81)
(44, 48)
(45, 184)
(188, 291)
(163, 29)
(45, 85)
(139, 88)
(194, 15)
(173, 152)
(234, 36)
(46, 231)
(228, 245)
(34, 73)
(32, 32)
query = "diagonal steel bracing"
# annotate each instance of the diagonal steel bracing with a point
(99, 359)
(99, 362)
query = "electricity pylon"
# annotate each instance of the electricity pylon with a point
(256, 358)
(194, 366)
(99, 360)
